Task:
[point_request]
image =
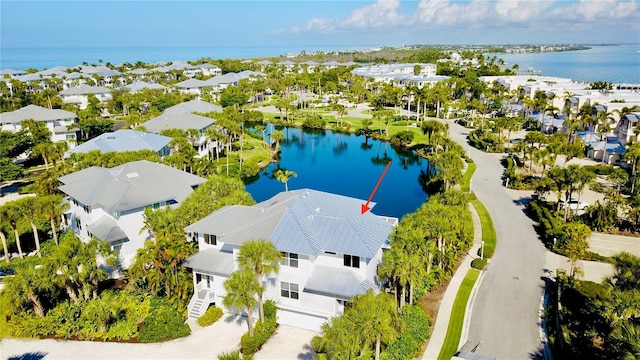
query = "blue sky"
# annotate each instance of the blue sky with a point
(315, 23)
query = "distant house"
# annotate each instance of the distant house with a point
(628, 126)
(137, 86)
(108, 204)
(125, 140)
(610, 151)
(191, 86)
(330, 253)
(181, 116)
(61, 123)
(79, 95)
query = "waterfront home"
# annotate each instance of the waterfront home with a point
(79, 95)
(330, 253)
(11, 73)
(191, 86)
(124, 140)
(182, 116)
(606, 148)
(73, 79)
(108, 204)
(403, 75)
(61, 123)
(628, 127)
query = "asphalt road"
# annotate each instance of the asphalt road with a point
(505, 318)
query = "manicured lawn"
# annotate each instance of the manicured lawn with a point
(466, 178)
(450, 346)
(488, 231)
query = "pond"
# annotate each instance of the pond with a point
(348, 165)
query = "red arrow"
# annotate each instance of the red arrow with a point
(365, 207)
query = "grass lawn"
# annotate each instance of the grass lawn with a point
(450, 346)
(466, 178)
(488, 231)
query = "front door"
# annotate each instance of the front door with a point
(208, 282)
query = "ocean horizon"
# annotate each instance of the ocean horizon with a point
(612, 63)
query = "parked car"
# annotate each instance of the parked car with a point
(574, 204)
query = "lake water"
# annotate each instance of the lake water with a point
(343, 164)
(615, 64)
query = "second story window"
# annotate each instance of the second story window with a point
(352, 261)
(289, 259)
(210, 239)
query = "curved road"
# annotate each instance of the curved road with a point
(505, 315)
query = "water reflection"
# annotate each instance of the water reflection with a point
(349, 165)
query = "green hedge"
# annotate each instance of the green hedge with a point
(479, 264)
(551, 224)
(212, 315)
(262, 331)
(164, 323)
(488, 231)
(412, 338)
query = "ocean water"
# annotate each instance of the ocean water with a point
(615, 64)
(42, 58)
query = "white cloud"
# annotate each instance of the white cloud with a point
(479, 14)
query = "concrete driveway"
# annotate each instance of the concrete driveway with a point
(505, 317)
(203, 343)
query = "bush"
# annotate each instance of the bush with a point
(404, 137)
(313, 122)
(163, 323)
(479, 264)
(212, 315)
(262, 331)
(412, 338)
(270, 309)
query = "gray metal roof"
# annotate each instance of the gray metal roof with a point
(139, 85)
(192, 83)
(339, 282)
(36, 113)
(301, 221)
(130, 186)
(106, 229)
(192, 106)
(123, 140)
(212, 261)
(177, 120)
(84, 89)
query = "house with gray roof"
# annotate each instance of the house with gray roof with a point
(108, 203)
(330, 253)
(61, 123)
(124, 140)
(79, 95)
(137, 86)
(182, 116)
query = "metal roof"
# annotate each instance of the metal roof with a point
(191, 83)
(339, 282)
(36, 113)
(123, 140)
(301, 221)
(129, 186)
(139, 85)
(84, 89)
(177, 120)
(192, 106)
(212, 261)
(106, 229)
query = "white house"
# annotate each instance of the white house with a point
(108, 203)
(181, 116)
(59, 122)
(330, 252)
(419, 75)
(79, 95)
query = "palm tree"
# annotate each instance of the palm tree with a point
(242, 288)
(28, 208)
(376, 318)
(45, 150)
(52, 207)
(283, 176)
(261, 257)
(277, 136)
(13, 215)
(3, 236)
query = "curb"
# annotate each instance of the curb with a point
(469, 310)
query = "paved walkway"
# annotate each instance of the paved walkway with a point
(439, 332)
(607, 244)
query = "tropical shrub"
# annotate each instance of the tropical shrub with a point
(164, 323)
(262, 331)
(270, 309)
(212, 315)
(412, 338)
(483, 139)
(404, 137)
(313, 121)
(479, 264)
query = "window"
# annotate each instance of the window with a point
(210, 239)
(289, 290)
(156, 206)
(78, 224)
(352, 261)
(85, 208)
(116, 215)
(330, 252)
(289, 259)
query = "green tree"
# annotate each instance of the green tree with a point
(574, 242)
(242, 288)
(263, 258)
(52, 207)
(277, 136)
(283, 176)
(28, 208)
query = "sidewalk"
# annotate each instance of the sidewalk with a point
(436, 340)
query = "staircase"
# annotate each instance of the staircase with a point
(200, 302)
